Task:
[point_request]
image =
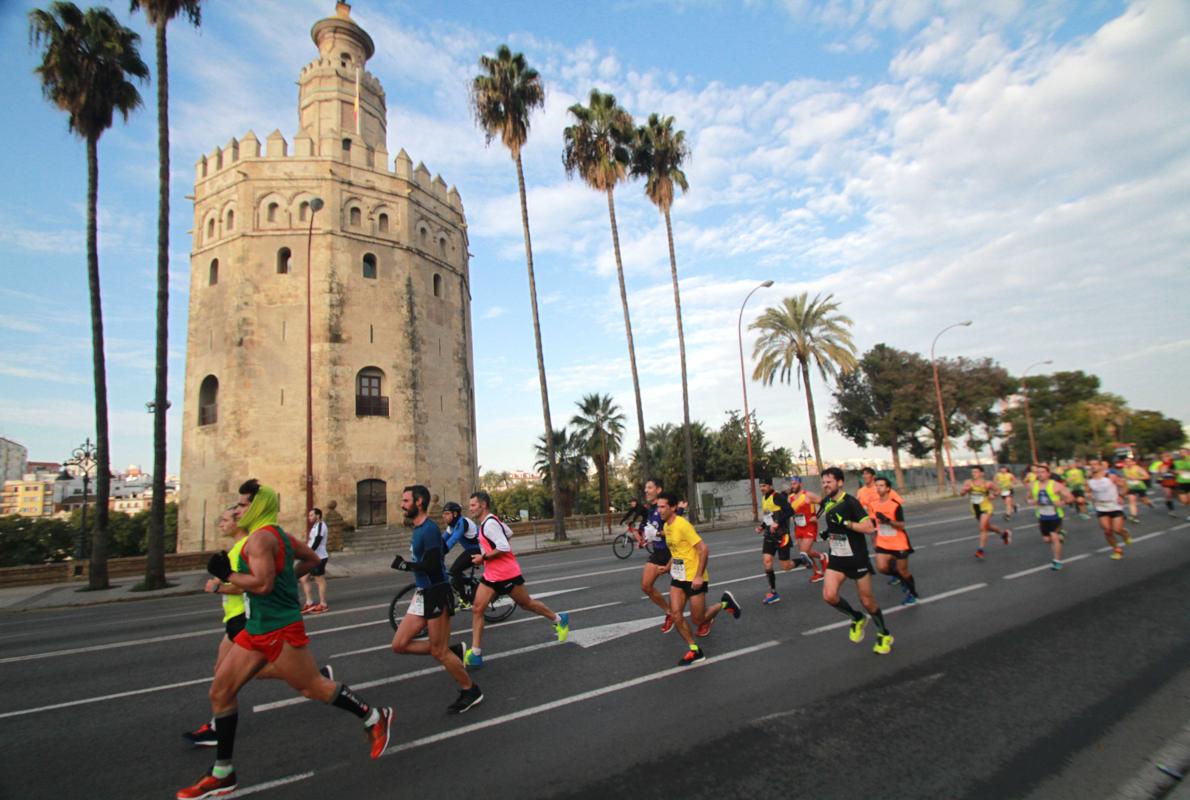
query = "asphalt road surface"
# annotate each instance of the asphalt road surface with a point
(1007, 680)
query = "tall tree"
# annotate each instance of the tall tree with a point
(797, 332)
(86, 66)
(600, 424)
(571, 467)
(1061, 422)
(658, 157)
(598, 146)
(159, 13)
(1153, 432)
(503, 97)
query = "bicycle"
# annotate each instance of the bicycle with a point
(498, 610)
(625, 543)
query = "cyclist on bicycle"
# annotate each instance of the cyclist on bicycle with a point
(635, 519)
(462, 531)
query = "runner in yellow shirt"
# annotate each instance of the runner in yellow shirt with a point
(980, 490)
(1006, 482)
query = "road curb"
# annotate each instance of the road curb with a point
(1153, 782)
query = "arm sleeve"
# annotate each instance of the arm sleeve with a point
(900, 513)
(631, 513)
(456, 533)
(784, 510)
(430, 548)
(317, 541)
(493, 531)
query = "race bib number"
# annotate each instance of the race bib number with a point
(977, 498)
(840, 546)
(800, 520)
(651, 532)
(1006, 493)
(417, 606)
(247, 607)
(767, 519)
(677, 569)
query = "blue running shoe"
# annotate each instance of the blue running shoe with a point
(771, 598)
(910, 599)
(472, 659)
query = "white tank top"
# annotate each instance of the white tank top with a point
(1104, 494)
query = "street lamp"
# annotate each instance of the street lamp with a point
(804, 454)
(938, 393)
(1028, 416)
(83, 459)
(315, 207)
(744, 384)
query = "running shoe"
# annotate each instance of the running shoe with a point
(562, 626)
(703, 630)
(857, 629)
(1133, 519)
(692, 657)
(910, 599)
(884, 642)
(317, 608)
(729, 602)
(308, 607)
(772, 598)
(328, 672)
(472, 659)
(1055, 565)
(457, 649)
(1006, 535)
(668, 624)
(979, 554)
(1084, 515)
(378, 732)
(818, 576)
(468, 698)
(208, 786)
(203, 737)
(1116, 553)
(1127, 538)
(894, 580)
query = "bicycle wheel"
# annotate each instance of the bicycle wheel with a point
(499, 609)
(623, 545)
(402, 599)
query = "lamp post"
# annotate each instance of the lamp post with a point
(315, 207)
(804, 454)
(83, 459)
(1028, 416)
(744, 384)
(938, 393)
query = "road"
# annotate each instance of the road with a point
(1007, 680)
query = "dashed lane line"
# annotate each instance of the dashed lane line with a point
(922, 601)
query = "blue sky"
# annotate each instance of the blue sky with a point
(1020, 164)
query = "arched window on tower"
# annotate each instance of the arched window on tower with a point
(437, 285)
(208, 401)
(272, 212)
(284, 257)
(303, 211)
(213, 273)
(442, 246)
(382, 223)
(210, 229)
(370, 400)
(346, 148)
(355, 217)
(231, 220)
(371, 506)
(424, 234)
(369, 266)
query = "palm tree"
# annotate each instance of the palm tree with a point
(600, 424)
(85, 70)
(658, 158)
(570, 466)
(598, 146)
(797, 332)
(502, 98)
(159, 13)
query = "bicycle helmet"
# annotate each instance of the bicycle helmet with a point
(453, 506)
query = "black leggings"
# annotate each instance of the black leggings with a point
(457, 568)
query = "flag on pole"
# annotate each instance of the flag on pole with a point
(357, 133)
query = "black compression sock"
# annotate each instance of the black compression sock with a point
(772, 579)
(910, 582)
(348, 701)
(846, 608)
(225, 734)
(1169, 504)
(878, 617)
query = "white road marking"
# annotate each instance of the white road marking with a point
(110, 646)
(566, 701)
(263, 787)
(922, 601)
(1044, 567)
(960, 539)
(915, 526)
(635, 568)
(101, 698)
(589, 637)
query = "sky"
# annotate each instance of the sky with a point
(1021, 164)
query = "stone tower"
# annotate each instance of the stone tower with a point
(390, 308)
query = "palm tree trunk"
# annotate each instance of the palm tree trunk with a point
(97, 578)
(813, 418)
(559, 523)
(155, 561)
(687, 435)
(640, 414)
(603, 474)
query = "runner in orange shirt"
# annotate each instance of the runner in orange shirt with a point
(805, 527)
(892, 539)
(867, 493)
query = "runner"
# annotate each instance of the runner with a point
(273, 634)
(867, 494)
(1169, 481)
(1076, 482)
(501, 575)
(432, 605)
(1106, 491)
(892, 540)
(847, 526)
(805, 526)
(1049, 496)
(1029, 480)
(461, 531)
(1137, 478)
(658, 563)
(1181, 466)
(980, 491)
(316, 541)
(1006, 482)
(774, 528)
(689, 579)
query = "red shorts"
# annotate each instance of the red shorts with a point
(805, 533)
(293, 634)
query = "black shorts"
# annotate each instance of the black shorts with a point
(438, 599)
(659, 556)
(320, 569)
(1139, 492)
(1049, 526)
(234, 625)
(504, 587)
(1078, 491)
(1112, 514)
(898, 554)
(850, 567)
(1183, 488)
(1148, 483)
(688, 587)
(978, 512)
(773, 546)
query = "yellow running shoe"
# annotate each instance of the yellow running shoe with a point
(884, 643)
(1127, 538)
(857, 629)
(1116, 554)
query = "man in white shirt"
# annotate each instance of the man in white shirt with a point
(316, 540)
